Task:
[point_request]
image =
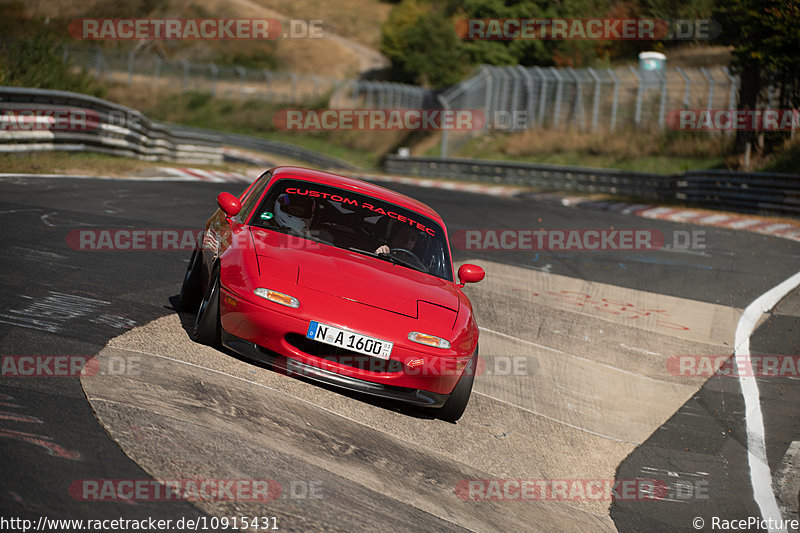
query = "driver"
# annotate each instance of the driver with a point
(403, 237)
(294, 212)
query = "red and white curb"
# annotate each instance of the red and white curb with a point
(214, 176)
(784, 229)
(756, 224)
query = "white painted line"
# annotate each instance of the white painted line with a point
(640, 350)
(684, 215)
(760, 476)
(713, 219)
(745, 223)
(657, 212)
(531, 411)
(542, 346)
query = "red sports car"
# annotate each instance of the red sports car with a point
(337, 280)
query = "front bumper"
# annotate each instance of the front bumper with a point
(294, 368)
(281, 331)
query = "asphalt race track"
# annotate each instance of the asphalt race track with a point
(575, 384)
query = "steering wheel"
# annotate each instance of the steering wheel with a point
(411, 255)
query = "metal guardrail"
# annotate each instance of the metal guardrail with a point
(272, 147)
(755, 192)
(110, 128)
(119, 130)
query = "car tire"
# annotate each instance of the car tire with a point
(207, 328)
(190, 290)
(455, 405)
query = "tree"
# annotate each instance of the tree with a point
(765, 35)
(422, 46)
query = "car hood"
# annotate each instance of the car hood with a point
(350, 275)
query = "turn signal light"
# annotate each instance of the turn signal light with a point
(429, 340)
(277, 297)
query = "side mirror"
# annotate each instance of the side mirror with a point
(229, 204)
(468, 273)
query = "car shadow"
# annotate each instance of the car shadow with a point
(187, 322)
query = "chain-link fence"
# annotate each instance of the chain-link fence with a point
(511, 98)
(587, 100)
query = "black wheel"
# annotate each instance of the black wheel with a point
(190, 290)
(206, 325)
(455, 405)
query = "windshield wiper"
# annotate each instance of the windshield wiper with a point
(391, 259)
(360, 251)
(398, 261)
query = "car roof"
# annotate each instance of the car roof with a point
(356, 185)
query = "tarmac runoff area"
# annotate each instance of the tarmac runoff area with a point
(589, 382)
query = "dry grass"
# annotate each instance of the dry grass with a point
(322, 57)
(692, 55)
(89, 164)
(621, 145)
(350, 20)
(359, 20)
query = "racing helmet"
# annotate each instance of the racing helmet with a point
(292, 211)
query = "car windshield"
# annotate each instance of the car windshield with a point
(355, 222)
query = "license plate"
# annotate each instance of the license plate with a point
(349, 340)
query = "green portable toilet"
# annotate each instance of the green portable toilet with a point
(651, 66)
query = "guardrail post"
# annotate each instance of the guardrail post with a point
(731, 95)
(487, 103)
(578, 99)
(370, 101)
(382, 94)
(637, 117)
(614, 101)
(596, 99)
(446, 107)
(404, 95)
(242, 78)
(711, 84)
(157, 59)
(293, 80)
(130, 67)
(687, 87)
(98, 64)
(315, 80)
(268, 78)
(542, 95)
(214, 72)
(529, 97)
(535, 95)
(514, 104)
(559, 91)
(185, 80)
(497, 86)
(662, 105)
